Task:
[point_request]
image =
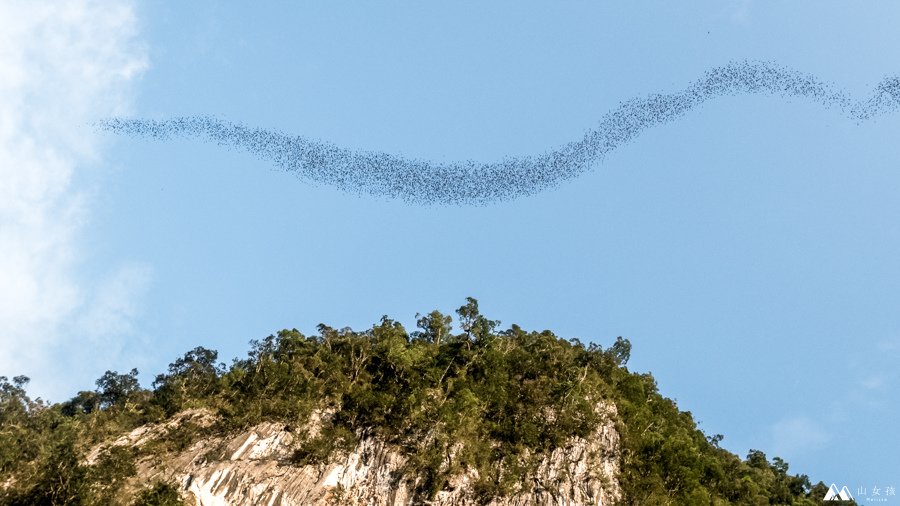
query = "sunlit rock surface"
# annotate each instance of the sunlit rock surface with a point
(254, 467)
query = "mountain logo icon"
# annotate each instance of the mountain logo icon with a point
(835, 495)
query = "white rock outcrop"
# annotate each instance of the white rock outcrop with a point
(254, 468)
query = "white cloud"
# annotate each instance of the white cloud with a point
(62, 65)
(873, 374)
(799, 434)
(112, 312)
(738, 10)
(889, 345)
(874, 381)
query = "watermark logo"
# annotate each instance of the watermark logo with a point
(876, 493)
(838, 495)
(873, 494)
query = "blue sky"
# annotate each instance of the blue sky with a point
(748, 250)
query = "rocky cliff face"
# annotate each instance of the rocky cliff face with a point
(254, 467)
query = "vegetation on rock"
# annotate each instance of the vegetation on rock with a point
(491, 400)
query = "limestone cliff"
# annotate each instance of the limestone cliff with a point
(254, 467)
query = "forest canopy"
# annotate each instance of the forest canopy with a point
(486, 392)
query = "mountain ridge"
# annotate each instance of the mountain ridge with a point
(479, 416)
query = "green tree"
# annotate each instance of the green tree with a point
(84, 402)
(620, 351)
(435, 327)
(193, 376)
(115, 389)
(473, 323)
